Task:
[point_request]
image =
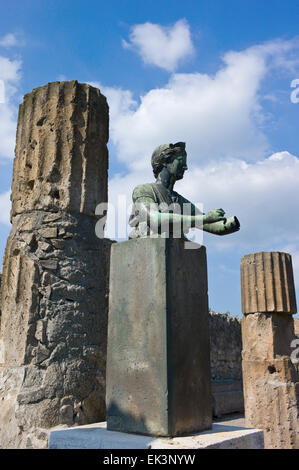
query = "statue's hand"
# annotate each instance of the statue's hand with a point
(213, 216)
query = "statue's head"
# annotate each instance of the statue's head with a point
(171, 156)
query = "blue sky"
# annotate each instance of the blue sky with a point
(212, 73)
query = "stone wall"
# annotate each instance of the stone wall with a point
(226, 364)
(226, 347)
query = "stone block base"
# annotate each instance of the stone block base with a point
(223, 435)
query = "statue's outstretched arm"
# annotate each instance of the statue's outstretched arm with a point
(223, 227)
(147, 210)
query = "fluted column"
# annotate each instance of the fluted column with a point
(61, 157)
(270, 379)
(267, 283)
(54, 318)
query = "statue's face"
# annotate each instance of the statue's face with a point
(178, 166)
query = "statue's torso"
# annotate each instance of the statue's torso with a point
(165, 201)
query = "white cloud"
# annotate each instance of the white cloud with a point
(10, 40)
(5, 206)
(9, 69)
(293, 249)
(164, 47)
(262, 194)
(220, 116)
(9, 78)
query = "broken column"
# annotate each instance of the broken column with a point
(158, 355)
(53, 324)
(270, 379)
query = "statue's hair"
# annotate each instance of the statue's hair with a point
(164, 153)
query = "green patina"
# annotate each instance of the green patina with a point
(159, 210)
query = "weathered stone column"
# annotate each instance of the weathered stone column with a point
(158, 356)
(270, 380)
(53, 325)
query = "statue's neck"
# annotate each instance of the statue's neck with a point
(166, 179)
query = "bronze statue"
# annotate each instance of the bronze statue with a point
(159, 210)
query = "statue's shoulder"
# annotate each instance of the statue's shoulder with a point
(143, 190)
(181, 198)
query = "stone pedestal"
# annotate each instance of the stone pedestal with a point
(54, 314)
(270, 379)
(158, 358)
